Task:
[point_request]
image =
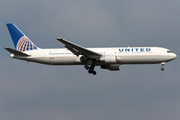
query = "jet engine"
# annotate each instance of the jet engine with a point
(111, 67)
(110, 59)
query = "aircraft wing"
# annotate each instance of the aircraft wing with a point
(79, 50)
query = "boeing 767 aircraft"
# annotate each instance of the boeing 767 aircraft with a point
(107, 58)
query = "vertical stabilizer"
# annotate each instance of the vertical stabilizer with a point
(21, 41)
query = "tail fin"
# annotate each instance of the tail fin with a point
(21, 41)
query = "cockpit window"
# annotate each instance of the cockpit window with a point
(169, 51)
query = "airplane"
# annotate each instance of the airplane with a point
(107, 58)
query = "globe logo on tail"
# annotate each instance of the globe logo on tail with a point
(24, 44)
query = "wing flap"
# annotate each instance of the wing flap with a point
(79, 50)
(77, 53)
(15, 52)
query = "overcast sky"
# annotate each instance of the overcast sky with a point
(31, 91)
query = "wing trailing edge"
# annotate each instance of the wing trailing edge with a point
(79, 50)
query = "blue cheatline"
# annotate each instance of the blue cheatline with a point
(20, 40)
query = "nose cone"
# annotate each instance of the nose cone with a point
(173, 56)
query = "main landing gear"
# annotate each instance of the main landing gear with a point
(90, 69)
(163, 64)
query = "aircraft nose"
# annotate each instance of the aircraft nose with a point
(174, 55)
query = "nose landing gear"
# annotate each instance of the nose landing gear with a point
(163, 64)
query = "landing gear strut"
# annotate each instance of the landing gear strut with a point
(163, 64)
(86, 67)
(90, 69)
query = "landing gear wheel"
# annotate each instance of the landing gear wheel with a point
(162, 69)
(163, 64)
(90, 71)
(94, 72)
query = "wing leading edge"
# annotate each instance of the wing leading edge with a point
(79, 50)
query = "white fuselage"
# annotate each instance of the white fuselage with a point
(123, 55)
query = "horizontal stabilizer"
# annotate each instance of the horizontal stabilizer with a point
(15, 52)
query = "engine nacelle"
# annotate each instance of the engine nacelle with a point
(110, 59)
(111, 67)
